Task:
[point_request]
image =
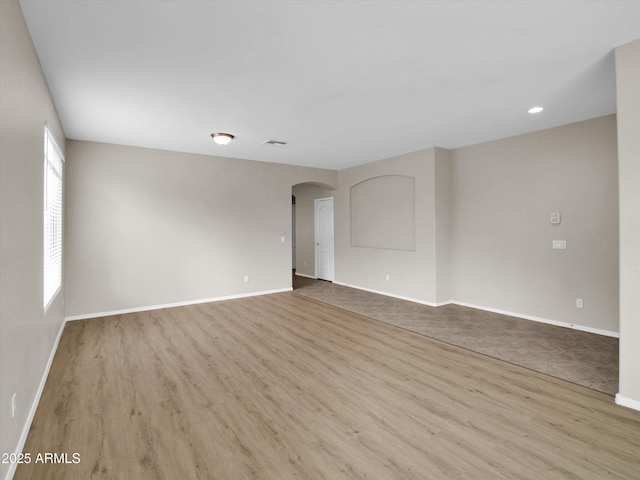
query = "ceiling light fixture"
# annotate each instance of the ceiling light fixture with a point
(222, 138)
(535, 109)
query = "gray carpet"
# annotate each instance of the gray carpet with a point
(584, 358)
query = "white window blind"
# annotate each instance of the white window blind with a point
(53, 165)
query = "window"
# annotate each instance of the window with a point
(53, 163)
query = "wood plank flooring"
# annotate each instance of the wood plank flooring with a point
(580, 357)
(284, 387)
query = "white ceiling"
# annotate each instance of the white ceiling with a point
(343, 82)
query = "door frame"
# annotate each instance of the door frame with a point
(293, 236)
(315, 236)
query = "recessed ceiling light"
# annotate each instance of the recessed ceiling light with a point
(222, 138)
(535, 109)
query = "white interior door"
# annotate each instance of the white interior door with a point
(293, 236)
(324, 238)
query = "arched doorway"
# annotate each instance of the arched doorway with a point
(303, 224)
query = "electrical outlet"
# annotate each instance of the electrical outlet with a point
(387, 278)
(578, 303)
(246, 279)
(305, 263)
(13, 405)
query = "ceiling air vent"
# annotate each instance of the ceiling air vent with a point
(275, 142)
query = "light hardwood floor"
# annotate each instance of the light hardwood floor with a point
(283, 387)
(584, 358)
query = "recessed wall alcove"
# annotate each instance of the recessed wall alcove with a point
(383, 213)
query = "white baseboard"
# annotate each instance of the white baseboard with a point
(387, 294)
(582, 328)
(34, 404)
(176, 304)
(627, 402)
(306, 276)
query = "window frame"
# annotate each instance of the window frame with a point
(53, 183)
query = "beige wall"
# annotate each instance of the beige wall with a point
(504, 192)
(305, 195)
(382, 213)
(27, 333)
(443, 185)
(483, 231)
(411, 273)
(628, 99)
(148, 227)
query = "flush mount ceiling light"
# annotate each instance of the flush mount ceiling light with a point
(535, 109)
(222, 138)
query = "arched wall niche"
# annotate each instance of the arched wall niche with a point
(383, 213)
